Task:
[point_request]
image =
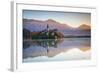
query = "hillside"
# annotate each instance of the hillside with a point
(38, 25)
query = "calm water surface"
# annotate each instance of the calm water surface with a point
(56, 50)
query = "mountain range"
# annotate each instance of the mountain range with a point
(33, 25)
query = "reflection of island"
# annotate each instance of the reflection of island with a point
(50, 42)
(47, 44)
(51, 48)
(44, 43)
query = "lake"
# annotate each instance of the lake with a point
(56, 50)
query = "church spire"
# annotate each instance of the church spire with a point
(47, 27)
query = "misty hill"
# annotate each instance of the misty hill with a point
(38, 25)
(84, 27)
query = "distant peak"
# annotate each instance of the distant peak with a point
(84, 26)
(50, 20)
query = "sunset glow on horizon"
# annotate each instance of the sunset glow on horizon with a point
(74, 19)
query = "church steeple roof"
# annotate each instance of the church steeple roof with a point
(47, 26)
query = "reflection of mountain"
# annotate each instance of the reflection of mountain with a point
(38, 25)
(41, 47)
(73, 54)
(51, 48)
(44, 43)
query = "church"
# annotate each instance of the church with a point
(49, 33)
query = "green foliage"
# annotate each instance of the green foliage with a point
(46, 35)
(34, 37)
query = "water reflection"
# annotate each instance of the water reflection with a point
(44, 43)
(51, 48)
